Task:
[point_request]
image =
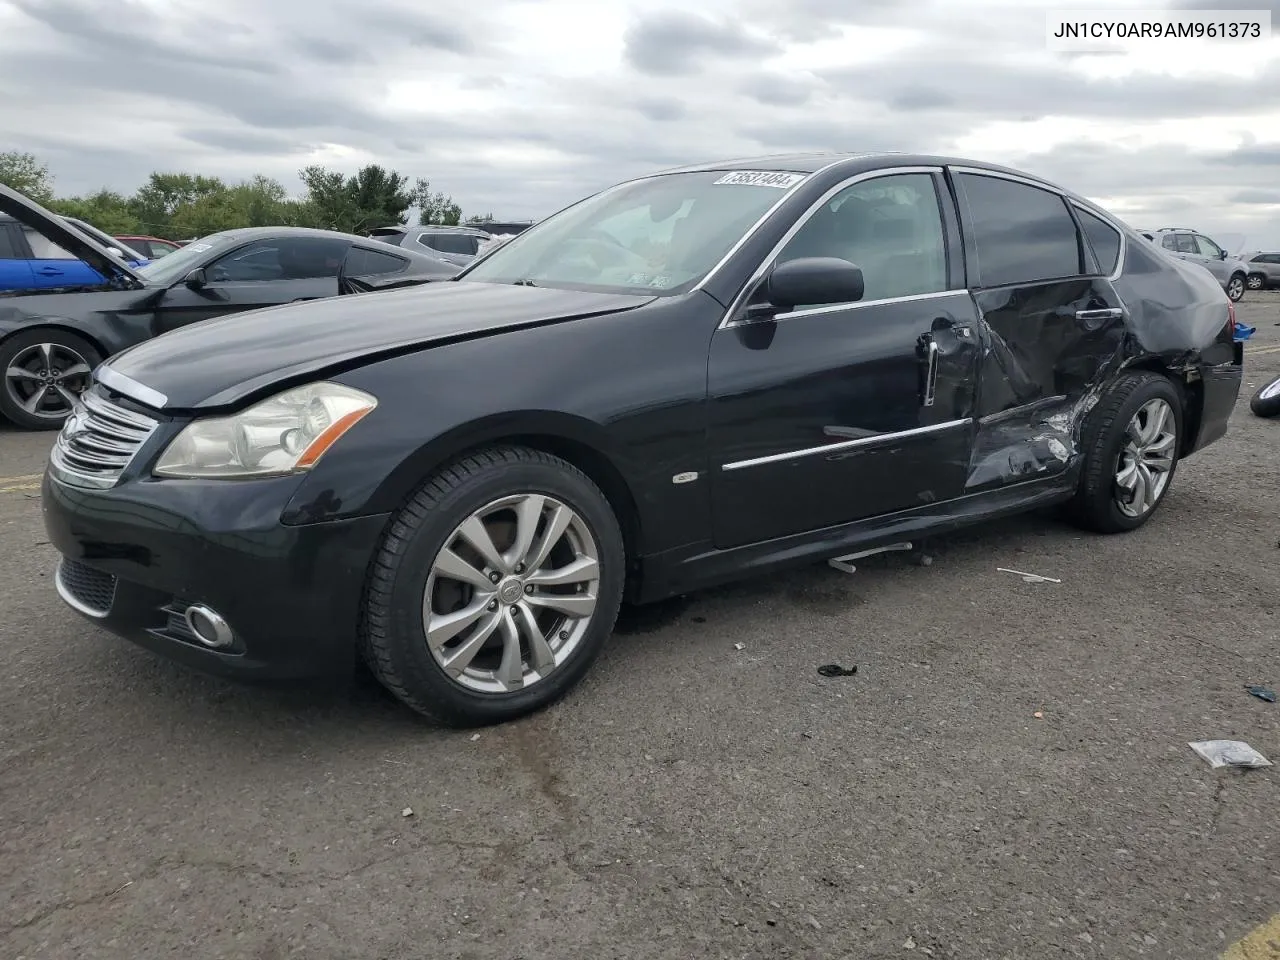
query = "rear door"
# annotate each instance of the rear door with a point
(15, 267)
(1053, 324)
(829, 414)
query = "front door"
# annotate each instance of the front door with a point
(828, 414)
(264, 273)
(52, 266)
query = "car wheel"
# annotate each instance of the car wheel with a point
(495, 588)
(1266, 400)
(44, 372)
(1130, 444)
(1235, 287)
(1256, 281)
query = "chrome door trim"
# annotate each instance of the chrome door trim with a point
(736, 304)
(828, 448)
(858, 305)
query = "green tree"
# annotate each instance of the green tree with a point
(158, 201)
(107, 210)
(26, 174)
(372, 197)
(436, 209)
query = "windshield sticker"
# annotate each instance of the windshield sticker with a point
(199, 247)
(761, 178)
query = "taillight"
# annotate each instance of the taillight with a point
(1231, 319)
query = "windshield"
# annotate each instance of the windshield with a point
(182, 261)
(660, 235)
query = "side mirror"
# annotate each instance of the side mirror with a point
(196, 279)
(1222, 254)
(812, 281)
(116, 252)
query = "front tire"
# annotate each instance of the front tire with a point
(1235, 287)
(495, 588)
(42, 374)
(1266, 399)
(1130, 444)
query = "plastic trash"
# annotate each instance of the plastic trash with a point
(1028, 577)
(835, 670)
(1262, 693)
(1229, 753)
(1243, 333)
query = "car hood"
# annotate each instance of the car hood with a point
(74, 241)
(225, 361)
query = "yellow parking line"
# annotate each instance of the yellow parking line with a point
(1254, 351)
(24, 479)
(1262, 944)
(20, 486)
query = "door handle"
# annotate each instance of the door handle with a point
(1106, 313)
(930, 346)
(49, 272)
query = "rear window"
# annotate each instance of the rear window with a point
(362, 262)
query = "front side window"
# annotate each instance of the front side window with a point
(1103, 238)
(1022, 234)
(658, 236)
(42, 248)
(889, 226)
(1186, 243)
(8, 248)
(281, 258)
(185, 259)
(1208, 248)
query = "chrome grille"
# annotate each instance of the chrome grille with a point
(98, 441)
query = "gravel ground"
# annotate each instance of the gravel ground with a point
(1006, 776)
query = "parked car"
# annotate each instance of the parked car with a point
(696, 376)
(457, 245)
(154, 247)
(51, 338)
(1264, 270)
(31, 261)
(117, 248)
(1186, 244)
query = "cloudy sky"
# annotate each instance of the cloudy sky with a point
(519, 106)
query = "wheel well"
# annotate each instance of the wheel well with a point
(1192, 398)
(102, 351)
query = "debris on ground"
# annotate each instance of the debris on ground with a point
(1262, 693)
(407, 812)
(1039, 714)
(1243, 332)
(1028, 577)
(475, 737)
(835, 670)
(910, 944)
(1229, 753)
(739, 646)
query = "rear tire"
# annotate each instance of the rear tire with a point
(1266, 399)
(1131, 436)
(528, 635)
(1256, 281)
(41, 373)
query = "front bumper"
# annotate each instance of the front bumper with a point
(136, 556)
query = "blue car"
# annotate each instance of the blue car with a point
(30, 261)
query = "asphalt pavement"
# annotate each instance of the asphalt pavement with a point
(1006, 776)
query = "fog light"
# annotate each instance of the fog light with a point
(208, 626)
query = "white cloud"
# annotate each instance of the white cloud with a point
(521, 106)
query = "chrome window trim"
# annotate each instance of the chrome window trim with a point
(736, 304)
(114, 380)
(828, 448)
(859, 304)
(1058, 191)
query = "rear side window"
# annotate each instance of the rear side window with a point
(1104, 239)
(8, 247)
(362, 262)
(1022, 234)
(1186, 243)
(1169, 242)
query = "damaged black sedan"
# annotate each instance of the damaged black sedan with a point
(52, 337)
(695, 376)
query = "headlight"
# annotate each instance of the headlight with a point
(285, 434)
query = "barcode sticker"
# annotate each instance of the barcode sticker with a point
(762, 178)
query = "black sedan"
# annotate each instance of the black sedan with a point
(50, 339)
(691, 377)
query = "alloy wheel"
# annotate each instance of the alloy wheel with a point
(46, 379)
(1255, 282)
(1235, 288)
(1146, 460)
(511, 593)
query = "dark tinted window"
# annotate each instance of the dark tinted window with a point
(1022, 233)
(450, 242)
(362, 262)
(1103, 238)
(281, 258)
(1169, 241)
